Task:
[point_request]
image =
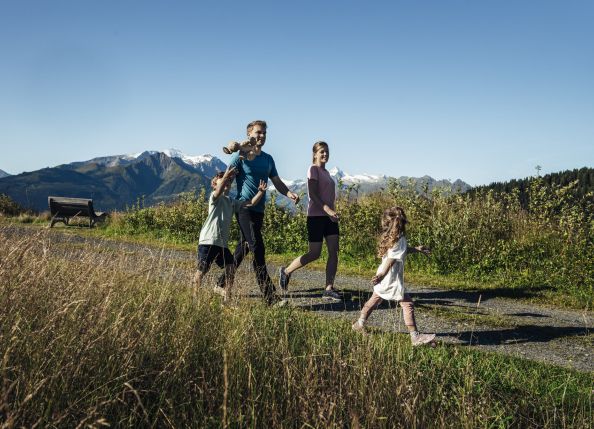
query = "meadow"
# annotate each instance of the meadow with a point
(92, 336)
(539, 245)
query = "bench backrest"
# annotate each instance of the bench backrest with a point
(64, 206)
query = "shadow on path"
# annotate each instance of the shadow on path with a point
(518, 335)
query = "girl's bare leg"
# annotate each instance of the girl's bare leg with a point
(314, 251)
(332, 263)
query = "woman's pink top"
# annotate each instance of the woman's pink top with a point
(326, 190)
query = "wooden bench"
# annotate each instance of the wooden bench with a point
(63, 209)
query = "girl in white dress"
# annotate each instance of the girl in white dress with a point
(389, 278)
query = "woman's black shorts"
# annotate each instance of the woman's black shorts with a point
(209, 253)
(319, 227)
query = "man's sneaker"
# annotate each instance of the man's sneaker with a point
(219, 291)
(420, 339)
(276, 301)
(359, 328)
(332, 294)
(280, 304)
(283, 278)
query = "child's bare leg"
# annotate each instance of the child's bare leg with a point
(197, 282)
(332, 262)
(315, 249)
(229, 280)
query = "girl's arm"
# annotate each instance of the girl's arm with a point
(229, 173)
(379, 277)
(315, 197)
(419, 249)
(258, 196)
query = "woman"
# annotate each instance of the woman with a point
(322, 222)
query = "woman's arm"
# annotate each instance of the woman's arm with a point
(314, 195)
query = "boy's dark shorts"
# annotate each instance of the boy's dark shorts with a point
(319, 227)
(209, 253)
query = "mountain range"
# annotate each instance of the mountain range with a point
(3, 174)
(119, 181)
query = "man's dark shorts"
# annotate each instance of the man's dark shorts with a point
(319, 227)
(208, 253)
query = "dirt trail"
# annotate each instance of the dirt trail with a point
(488, 322)
(502, 325)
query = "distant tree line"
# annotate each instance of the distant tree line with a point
(583, 176)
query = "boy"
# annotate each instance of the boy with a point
(212, 244)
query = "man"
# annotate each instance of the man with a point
(249, 174)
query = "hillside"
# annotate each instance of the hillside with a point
(112, 182)
(3, 174)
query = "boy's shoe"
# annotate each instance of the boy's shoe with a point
(420, 339)
(332, 294)
(219, 291)
(283, 279)
(359, 328)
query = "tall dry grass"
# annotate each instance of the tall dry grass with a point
(94, 335)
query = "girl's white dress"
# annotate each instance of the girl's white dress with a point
(392, 286)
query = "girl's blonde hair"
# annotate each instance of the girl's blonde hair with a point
(393, 227)
(316, 147)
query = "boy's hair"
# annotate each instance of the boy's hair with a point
(215, 179)
(393, 227)
(316, 147)
(254, 123)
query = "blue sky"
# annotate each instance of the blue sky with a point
(478, 90)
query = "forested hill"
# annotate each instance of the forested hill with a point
(584, 176)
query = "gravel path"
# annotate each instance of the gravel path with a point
(502, 325)
(466, 319)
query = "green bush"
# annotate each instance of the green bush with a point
(9, 207)
(485, 236)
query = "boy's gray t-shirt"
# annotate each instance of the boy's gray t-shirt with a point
(216, 227)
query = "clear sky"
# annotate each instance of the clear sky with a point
(478, 90)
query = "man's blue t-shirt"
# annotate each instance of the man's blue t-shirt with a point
(249, 174)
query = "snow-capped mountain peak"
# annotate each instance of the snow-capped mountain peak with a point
(336, 172)
(193, 160)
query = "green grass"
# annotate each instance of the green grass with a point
(106, 338)
(496, 286)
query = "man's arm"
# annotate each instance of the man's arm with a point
(282, 188)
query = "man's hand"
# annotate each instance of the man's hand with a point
(293, 197)
(263, 186)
